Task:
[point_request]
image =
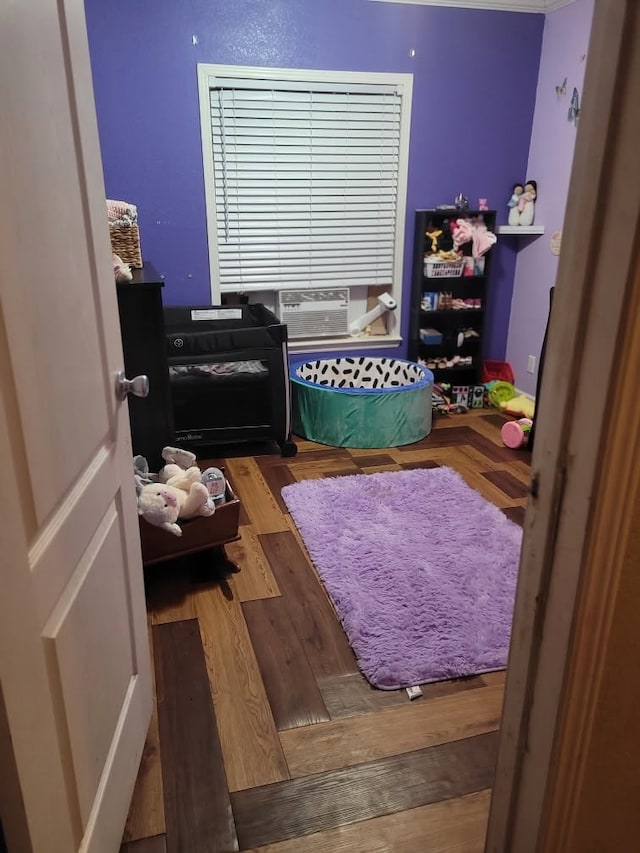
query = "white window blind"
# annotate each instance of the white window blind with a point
(306, 180)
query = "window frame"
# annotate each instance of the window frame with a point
(209, 76)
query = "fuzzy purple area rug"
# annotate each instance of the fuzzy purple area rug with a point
(420, 567)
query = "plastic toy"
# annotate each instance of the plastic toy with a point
(515, 434)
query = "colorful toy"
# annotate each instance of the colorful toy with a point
(515, 434)
(519, 406)
(216, 484)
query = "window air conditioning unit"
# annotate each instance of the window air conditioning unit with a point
(322, 313)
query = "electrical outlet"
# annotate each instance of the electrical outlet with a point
(531, 364)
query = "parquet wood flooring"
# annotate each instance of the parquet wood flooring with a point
(324, 642)
(153, 844)
(292, 689)
(197, 805)
(266, 735)
(350, 695)
(256, 579)
(507, 483)
(146, 815)
(458, 825)
(316, 803)
(250, 744)
(417, 725)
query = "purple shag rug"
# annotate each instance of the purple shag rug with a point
(420, 567)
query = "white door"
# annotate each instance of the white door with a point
(75, 696)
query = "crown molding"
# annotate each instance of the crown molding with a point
(535, 6)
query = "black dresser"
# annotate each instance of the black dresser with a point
(144, 346)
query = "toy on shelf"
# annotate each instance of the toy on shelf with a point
(514, 211)
(522, 203)
(515, 434)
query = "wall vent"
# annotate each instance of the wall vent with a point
(322, 313)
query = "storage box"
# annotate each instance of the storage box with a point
(125, 242)
(430, 336)
(435, 267)
(429, 301)
(197, 533)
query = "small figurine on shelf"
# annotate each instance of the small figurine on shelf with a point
(526, 205)
(514, 211)
(461, 202)
(432, 235)
(522, 203)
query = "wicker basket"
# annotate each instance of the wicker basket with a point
(125, 242)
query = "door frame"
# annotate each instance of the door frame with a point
(595, 280)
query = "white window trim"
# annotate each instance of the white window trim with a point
(207, 75)
(533, 6)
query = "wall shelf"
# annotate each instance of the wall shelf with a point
(520, 230)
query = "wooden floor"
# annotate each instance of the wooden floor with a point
(265, 737)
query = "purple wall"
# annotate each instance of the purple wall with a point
(565, 41)
(474, 73)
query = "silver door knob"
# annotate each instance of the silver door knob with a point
(138, 386)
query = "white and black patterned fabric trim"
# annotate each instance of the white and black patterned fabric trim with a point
(362, 374)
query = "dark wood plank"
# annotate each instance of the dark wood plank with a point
(154, 844)
(411, 466)
(497, 419)
(196, 800)
(243, 518)
(515, 513)
(374, 461)
(349, 472)
(321, 454)
(168, 592)
(460, 435)
(288, 679)
(451, 826)
(324, 642)
(494, 452)
(276, 476)
(315, 803)
(507, 483)
(441, 419)
(352, 695)
(449, 437)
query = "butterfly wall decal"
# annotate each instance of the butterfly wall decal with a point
(562, 90)
(574, 109)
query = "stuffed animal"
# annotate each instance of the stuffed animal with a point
(179, 456)
(181, 495)
(121, 271)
